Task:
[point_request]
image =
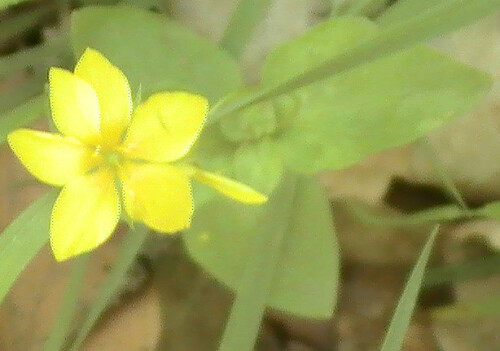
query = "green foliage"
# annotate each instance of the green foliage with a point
(341, 92)
(259, 270)
(60, 331)
(155, 52)
(22, 240)
(491, 210)
(309, 263)
(402, 315)
(370, 108)
(6, 3)
(129, 249)
(253, 123)
(259, 165)
(433, 215)
(437, 21)
(403, 10)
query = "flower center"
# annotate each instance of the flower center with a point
(112, 158)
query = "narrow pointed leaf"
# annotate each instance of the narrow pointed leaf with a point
(62, 326)
(23, 239)
(404, 310)
(260, 268)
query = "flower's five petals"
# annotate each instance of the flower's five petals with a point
(229, 187)
(113, 91)
(74, 105)
(164, 128)
(158, 195)
(52, 158)
(85, 215)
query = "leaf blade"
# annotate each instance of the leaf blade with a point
(129, 248)
(254, 288)
(308, 263)
(59, 333)
(23, 239)
(434, 22)
(404, 310)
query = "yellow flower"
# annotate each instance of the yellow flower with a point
(105, 150)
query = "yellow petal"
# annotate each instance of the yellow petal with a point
(52, 158)
(229, 187)
(85, 215)
(74, 105)
(158, 195)
(165, 127)
(113, 91)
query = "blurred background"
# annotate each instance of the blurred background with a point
(169, 303)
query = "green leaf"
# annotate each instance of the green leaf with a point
(154, 51)
(252, 123)
(259, 165)
(7, 3)
(402, 315)
(22, 116)
(309, 265)
(212, 151)
(259, 270)
(436, 21)
(131, 244)
(403, 10)
(59, 334)
(244, 19)
(23, 239)
(377, 106)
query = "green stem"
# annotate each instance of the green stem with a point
(253, 291)
(61, 328)
(435, 215)
(130, 246)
